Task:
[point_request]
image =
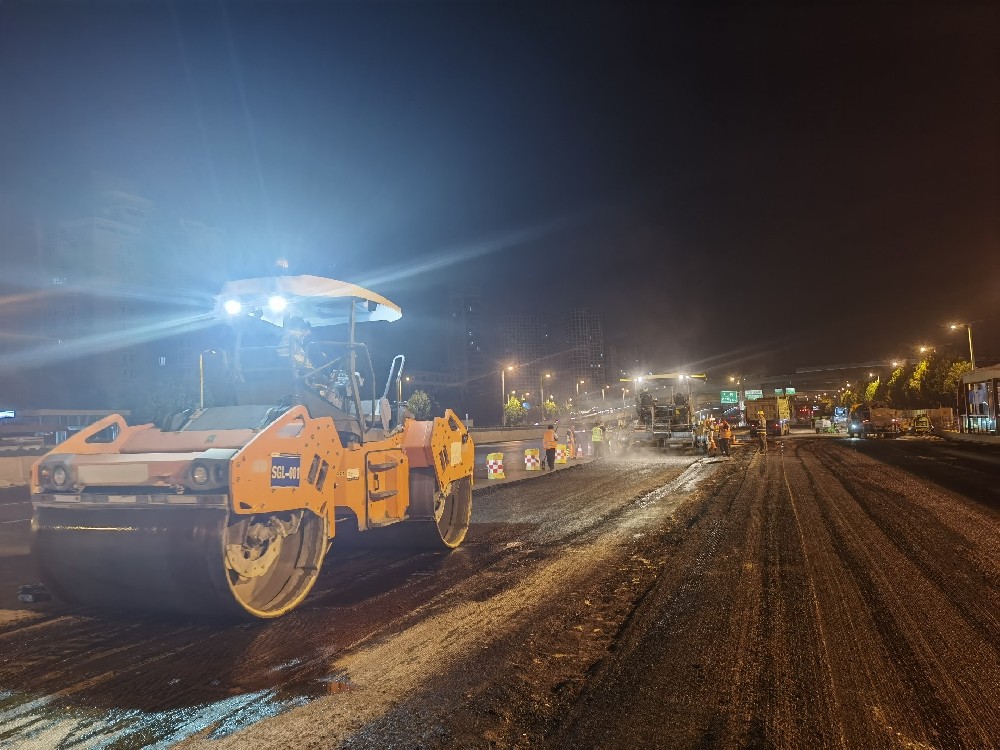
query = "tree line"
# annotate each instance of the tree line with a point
(932, 382)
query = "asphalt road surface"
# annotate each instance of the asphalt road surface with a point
(831, 593)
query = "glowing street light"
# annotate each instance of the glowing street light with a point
(541, 384)
(503, 393)
(972, 356)
(578, 384)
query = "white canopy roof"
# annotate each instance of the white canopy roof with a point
(320, 301)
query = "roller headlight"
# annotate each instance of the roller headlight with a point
(59, 476)
(277, 303)
(233, 307)
(199, 474)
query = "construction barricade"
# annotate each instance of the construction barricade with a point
(561, 454)
(494, 466)
(531, 460)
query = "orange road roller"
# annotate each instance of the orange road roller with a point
(228, 508)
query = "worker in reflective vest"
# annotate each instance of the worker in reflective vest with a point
(570, 443)
(725, 437)
(597, 438)
(549, 444)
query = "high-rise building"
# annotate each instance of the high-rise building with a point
(585, 337)
(524, 342)
(117, 294)
(465, 336)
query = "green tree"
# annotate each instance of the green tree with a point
(952, 378)
(895, 394)
(943, 376)
(514, 411)
(550, 409)
(914, 388)
(850, 398)
(420, 405)
(872, 391)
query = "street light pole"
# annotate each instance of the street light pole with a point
(541, 386)
(503, 394)
(972, 356)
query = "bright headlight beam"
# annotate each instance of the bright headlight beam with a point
(277, 303)
(233, 307)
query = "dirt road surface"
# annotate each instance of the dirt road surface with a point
(823, 595)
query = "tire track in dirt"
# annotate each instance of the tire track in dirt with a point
(921, 533)
(919, 686)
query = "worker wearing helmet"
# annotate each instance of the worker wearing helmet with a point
(549, 440)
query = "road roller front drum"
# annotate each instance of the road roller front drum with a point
(273, 559)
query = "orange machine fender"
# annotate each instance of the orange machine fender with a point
(443, 444)
(290, 464)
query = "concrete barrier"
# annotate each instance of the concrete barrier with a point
(15, 470)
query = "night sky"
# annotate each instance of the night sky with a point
(752, 186)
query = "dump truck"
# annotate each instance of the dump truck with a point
(228, 508)
(776, 413)
(872, 420)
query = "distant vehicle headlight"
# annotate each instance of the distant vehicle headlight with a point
(199, 475)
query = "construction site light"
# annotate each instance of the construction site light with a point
(233, 307)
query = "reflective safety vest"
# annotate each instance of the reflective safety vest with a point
(726, 433)
(596, 435)
(549, 440)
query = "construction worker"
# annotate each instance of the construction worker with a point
(549, 441)
(571, 443)
(597, 438)
(296, 344)
(725, 437)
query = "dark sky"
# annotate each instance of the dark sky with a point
(797, 185)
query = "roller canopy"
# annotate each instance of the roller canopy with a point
(321, 301)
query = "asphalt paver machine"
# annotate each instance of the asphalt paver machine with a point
(228, 509)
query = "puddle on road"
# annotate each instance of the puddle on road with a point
(156, 687)
(33, 722)
(47, 722)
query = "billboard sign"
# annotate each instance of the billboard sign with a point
(730, 397)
